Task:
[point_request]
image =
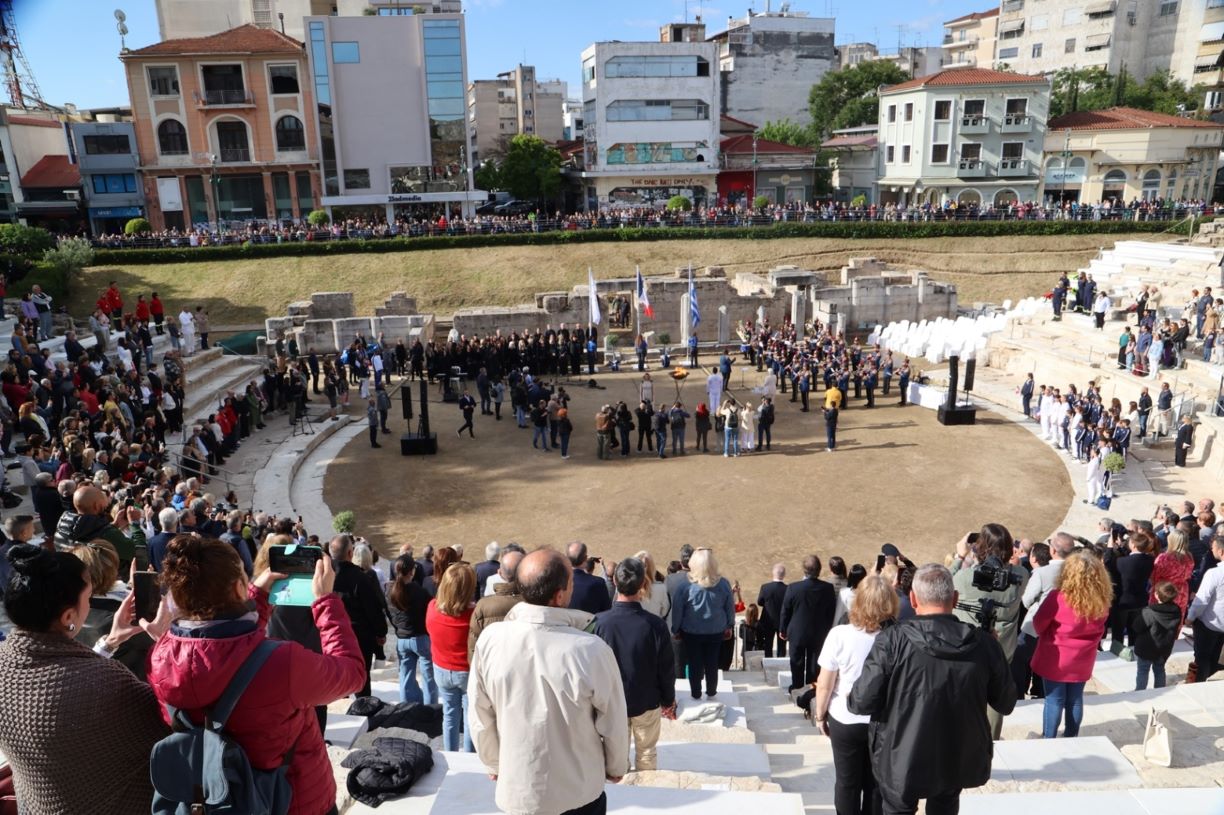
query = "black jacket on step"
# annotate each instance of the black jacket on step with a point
(1156, 631)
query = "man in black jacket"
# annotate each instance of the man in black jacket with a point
(363, 600)
(926, 685)
(1185, 440)
(807, 616)
(642, 645)
(590, 592)
(770, 603)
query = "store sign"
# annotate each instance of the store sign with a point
(404, 199)
(115, 212)
(1067, 175)
(665, 182)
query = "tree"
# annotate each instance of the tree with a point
(343, 523)
(67, 259)
(531, 169)
(1096, 89)
(761, 202)
(137, 226)
(318, 218)
(488, 176)
(787, 132)
(849, 97)
(678, 203)
(28, 242)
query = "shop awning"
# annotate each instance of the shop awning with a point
(1212, 32)
(1103, 7)
(1096, 41)
(1208, 60)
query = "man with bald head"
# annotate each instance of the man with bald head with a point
(590, 593)
(88, 521)
(548, 706)
(494, 607)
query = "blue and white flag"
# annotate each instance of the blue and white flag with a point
(594, 298)
(694, 310)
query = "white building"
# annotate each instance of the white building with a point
(571, 118)
(969, 135)
(177, 19)
(392, 121)
(650, 116)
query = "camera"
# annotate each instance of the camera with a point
(994, 575)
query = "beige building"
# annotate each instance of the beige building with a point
(853, 53)
(516, 102)
(855, 163)
(1123, 154)
(177, 19)
(1209, 57)
(969, 41)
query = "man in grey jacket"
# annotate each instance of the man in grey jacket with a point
(1039, 586)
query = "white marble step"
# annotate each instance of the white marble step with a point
(1199, 801)
(714, 759)
(1085, 762)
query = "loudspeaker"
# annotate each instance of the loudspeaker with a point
(970, 366)
(953, 379)
(406, 395)
(957, 415)
(424, 426)
(413, 445)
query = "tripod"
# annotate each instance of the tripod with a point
(300, 420)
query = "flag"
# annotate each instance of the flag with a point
(643, 297)
(694, 311)
(594, 298)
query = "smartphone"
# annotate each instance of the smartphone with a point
(973, 537)
(294, 559)
(879, 563)
(148, 595)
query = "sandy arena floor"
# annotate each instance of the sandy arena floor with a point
(897, 475)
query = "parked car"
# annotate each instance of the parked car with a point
(514, 207)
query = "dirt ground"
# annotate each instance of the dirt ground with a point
(897, 476)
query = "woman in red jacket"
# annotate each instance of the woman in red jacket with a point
(1069, 626)
(447, 620)
(1174, 565)
(221, 621)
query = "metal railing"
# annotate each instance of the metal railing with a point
(235, 154)
(226, 97)
(210, 470)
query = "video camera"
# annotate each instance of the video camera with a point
(994, 575)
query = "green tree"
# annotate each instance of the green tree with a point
(488, 176)
(761, 202)
(531, 169)
(66, 260)
(1164, 93)
(1095, 88)
(318, 218)
(137, 226)
(787, 132)
(679, 203)
(28, 242)
(849, 97)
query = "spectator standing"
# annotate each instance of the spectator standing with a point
(494, 607)
(702, 616)
(590, 593)
(769, 599)
(1157, 628)
(407, 603)
(447, 620)
(363, 600)
(1206, 615)
(806, 618)
(487, 568)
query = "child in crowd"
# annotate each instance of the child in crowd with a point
(1156, 633)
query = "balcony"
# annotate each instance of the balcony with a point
(974, 123)
(1017, 123)
(1014, 168)
(224, 98)
(959, 61)
(235, 155)
(971, 168)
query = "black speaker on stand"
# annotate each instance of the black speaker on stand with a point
(951, 412)
(422, 442)
(406, 395)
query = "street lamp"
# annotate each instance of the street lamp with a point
(216, 192)
(1066, 166)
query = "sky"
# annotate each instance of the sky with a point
(72, 45)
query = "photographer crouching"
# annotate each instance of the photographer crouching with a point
(990, 586)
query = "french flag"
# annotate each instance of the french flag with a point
(643, 297)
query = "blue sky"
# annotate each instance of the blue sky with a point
(72, 45)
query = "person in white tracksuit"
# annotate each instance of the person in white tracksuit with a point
(714, 388)
(187, 328)
(1094, 475)
(1046, 408)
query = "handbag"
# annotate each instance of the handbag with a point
(1103, 502)
(1157, 740)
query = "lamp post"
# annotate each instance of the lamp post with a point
(1066, 165)
(216, 192)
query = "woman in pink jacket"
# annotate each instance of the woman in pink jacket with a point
(1175, 565)
(1069, 627)
(220, 621)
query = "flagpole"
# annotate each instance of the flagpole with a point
(637, 271)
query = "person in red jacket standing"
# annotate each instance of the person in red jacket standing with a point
(192, 664)
(142, 309)
(114, 301)
(158, 311)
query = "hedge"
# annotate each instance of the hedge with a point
(836, 230)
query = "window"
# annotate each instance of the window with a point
(909, 111)
(943, 110)
(1017, 107)
(163, 80)
(1069, 46)
(232, 141)
(1039, 22)
(971, 152)
(284, 78)
(939, 154)
(905, 154)
(975, 108)
(1013, 150)
(889, 155)
(290, 135)
(892, 113)
(345, 52)
(1009, 53)
(113, 183)
(394, 12)
(1151, 185)
(657, 110)
(356, 180)
(107, 145)
(1036, 50)
(1168, 8)
(588, 72)
(1071, 16)
(656, 66)
(172, 138)
(1100, 13)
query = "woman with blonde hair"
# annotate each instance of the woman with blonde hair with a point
(703, 615)
(1069, 625)
(654, 592)
(841, 659)
(1174, 565)
(447, 621)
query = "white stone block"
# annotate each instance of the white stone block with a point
(343, 730)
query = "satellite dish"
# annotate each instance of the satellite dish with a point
(123, 29)
(119, 15)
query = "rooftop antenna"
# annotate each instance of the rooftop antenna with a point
(18, 79)
(121, 27)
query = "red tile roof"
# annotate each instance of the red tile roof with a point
(866, 140)
(952, 77)
(976, 15)
(245, 39)
(52, 171)
(740, 123)
(1121, 119)
(742, 145)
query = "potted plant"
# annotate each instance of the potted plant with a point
(1114, 463)
(344, 523)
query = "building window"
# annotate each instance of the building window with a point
(1013, 150)
(223, 84)
(588, 71)
(943, 110)
(1009, 53)
(939, 154)
(284, 78)
(909, 111)
(346, 53)
(892, 113)
(290, 135)
(1017, 110)
(163, 80)
(889, 154)
(905, 154)
(1036, 50)
(232, 141)
(656, 66)
(1168, 8)
(172, 138)
(971, 152)
(107, 145)
(356, 180)
(1069, 46)
(113, 183)
(657, 110)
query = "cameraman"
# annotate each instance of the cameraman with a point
(981, 560)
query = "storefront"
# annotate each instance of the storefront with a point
(631, 192)
(112, 220)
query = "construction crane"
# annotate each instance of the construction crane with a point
(19, 80)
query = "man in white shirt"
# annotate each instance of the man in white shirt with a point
(1206, 614)
(1039, 586)
(187, 327)
(714, 389)
(548, 712)
(1099, 307)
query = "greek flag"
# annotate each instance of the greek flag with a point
(694, 310)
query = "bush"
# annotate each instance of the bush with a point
(28, 242)
(52, 282)
(345, 522)
(137, 226)
(761, 202)
(318, 218)
(678, 203)
(1114, 463)
(837, 230)
(67, 259)
(664, 338)
(859, 201)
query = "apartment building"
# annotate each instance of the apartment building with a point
(26, 136)
(392, 124)
(225, 128)
(516, 102)
(969, 40)
(571, 113)
(651, 120)
(770, 61)
(972, 136)
(108, 163)
(179, 19)
(1208, 67)
(854, 163)
(915, 60)
(854, 53)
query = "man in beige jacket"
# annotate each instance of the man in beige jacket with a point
(551, 694)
